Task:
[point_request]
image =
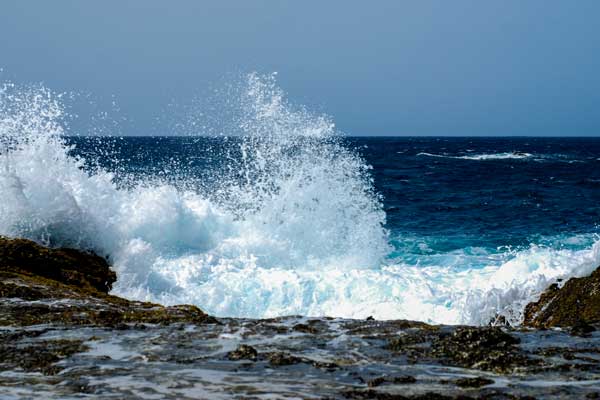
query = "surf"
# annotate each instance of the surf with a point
(290, 224)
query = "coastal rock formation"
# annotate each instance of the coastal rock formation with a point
(67, 286)
(68, 266)
(62, 335)
(483, 348)
(575, 304)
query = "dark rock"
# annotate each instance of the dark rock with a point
(482, 348)
(398, 380)
(282, 359)
(582, 328)
(403, 379)
(407, 340)
(377, 395)
(80, 281)
(305, 328)
(578, 300)
(40, 356)
(68, 266)
(473, 382)
(243, 352)
(376, 382)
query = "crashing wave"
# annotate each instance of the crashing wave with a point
(294, 227)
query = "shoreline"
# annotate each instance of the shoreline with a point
(63, 335)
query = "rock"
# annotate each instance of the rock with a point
(70, 288)
(403, 379)
(305, 328)
(281, 359)
(68, 266)
(376, 382)
(243, 352)
(372, 394)
(473, 382)
(398, 380)
(577, 300)
(582, 328)
(485, 348)
(40, 356)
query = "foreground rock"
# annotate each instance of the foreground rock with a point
(576, 303)
(66, 286)
(63, 336)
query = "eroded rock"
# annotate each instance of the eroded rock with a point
(485, 348)
(70, 287)
(68, 266)
(578, 300)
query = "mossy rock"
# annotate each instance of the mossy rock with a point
(81, 281)
(483, 348)
(39, 356)
(576, 301)
(67, 266)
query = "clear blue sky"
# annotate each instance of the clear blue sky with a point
(516, 67)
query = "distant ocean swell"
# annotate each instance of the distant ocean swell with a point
(294, 227)
(513, 155)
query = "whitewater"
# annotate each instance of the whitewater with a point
(292, 225)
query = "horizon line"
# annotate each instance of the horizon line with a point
(354, 136)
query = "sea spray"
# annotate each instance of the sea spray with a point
(292, 225)
(300, 201)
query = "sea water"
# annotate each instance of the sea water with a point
(283, 215)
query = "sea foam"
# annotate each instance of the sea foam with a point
(293, 227)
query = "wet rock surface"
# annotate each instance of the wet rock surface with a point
(63, 336)
(577, 302)
(69, 266)
(46, 286)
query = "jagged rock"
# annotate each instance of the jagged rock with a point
(68, 266)
(60, 329)
(81, 282)
(482, 348)
(578, 300)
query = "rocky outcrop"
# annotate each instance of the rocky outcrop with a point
(63, 334)
(70, 287)
(68, 266)
(484, 348)
(575, 304)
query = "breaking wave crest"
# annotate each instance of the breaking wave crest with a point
(293, 226)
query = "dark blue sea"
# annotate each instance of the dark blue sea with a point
(470, 222)
(450, 192)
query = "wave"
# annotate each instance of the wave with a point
(296, 199)
(293, 227)
(515, 155)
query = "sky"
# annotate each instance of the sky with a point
(405, 68)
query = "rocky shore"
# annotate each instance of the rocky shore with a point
(62, 335)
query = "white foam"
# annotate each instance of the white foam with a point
(484, 157)
(296, 229)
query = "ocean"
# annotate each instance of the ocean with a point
(285, 216)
